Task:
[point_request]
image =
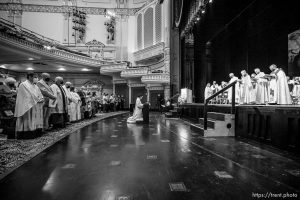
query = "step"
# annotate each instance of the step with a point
(210, 123)
(171, 115)
(198, 128)
(216, 116)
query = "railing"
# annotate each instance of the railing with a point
(231, 85)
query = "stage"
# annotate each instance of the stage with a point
(276, 125)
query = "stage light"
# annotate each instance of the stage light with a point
(198, 18)
(203, 11)
(61, 69)
(210, 1)
(29, 69)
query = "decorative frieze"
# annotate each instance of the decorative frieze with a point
(64, 9)
(129, 73)
(113, 68)
(55, 53)
(156, 78)
(136, 85)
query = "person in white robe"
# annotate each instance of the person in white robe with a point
(272, 88)
(137, 113)
(66, 88)
(75, 104)
(48, 94)
(296, 90)
(59, 105)
(254, 88)
(237, 89)
(246, 88)
(283, 92)
(208, 91)
(262, 96)
(29, 108)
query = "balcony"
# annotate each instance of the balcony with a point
(23, 40)
(156, 78)
(135, 72)
(155, 52)
(113, 68)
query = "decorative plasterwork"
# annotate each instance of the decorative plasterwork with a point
(113, 68)
(149, 52)
(64, 9)
(130, 73)
(52, 53)
(119, 81)
(136, 85)
(94, 43)
(156, 88)
(156, 78)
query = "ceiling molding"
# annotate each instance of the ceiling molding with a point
(64, 9)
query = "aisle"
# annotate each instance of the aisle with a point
(164, 160)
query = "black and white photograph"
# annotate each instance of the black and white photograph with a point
(149, 99)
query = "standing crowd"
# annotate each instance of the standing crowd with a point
(37, 105)
(259, 88)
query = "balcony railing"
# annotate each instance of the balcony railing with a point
(17, 36)
(130, 73)
(156, 78)
(113, 68)
(149, 52)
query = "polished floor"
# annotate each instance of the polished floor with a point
(165, 160)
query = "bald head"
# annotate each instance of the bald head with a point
(68, 84)
(46, 77)
(59, 80)
(231, 75)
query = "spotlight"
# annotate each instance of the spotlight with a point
(85, 70)
(61, 69)
(29, 69)
(198, 18)
(210, 1)
(3, 67)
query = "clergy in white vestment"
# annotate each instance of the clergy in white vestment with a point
(66, 88)
(237, 89)
(75, 114)
(47, 92)
(283, 92)
(272, 88)
(29, 108)
(137, 113)
(208, 91)
(254, 88)
(246, 88)
(59, 105)
(262, 96)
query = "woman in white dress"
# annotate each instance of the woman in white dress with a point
(137, 113)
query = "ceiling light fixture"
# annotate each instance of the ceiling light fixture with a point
(30, 59)
(61, 69)
(29, 69)
(85, 70)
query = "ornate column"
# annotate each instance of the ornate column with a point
(167, 91)
(129, 95)
(148, 93)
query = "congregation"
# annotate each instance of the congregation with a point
(35, 106)
(258, 88)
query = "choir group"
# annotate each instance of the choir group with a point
(259, 88)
